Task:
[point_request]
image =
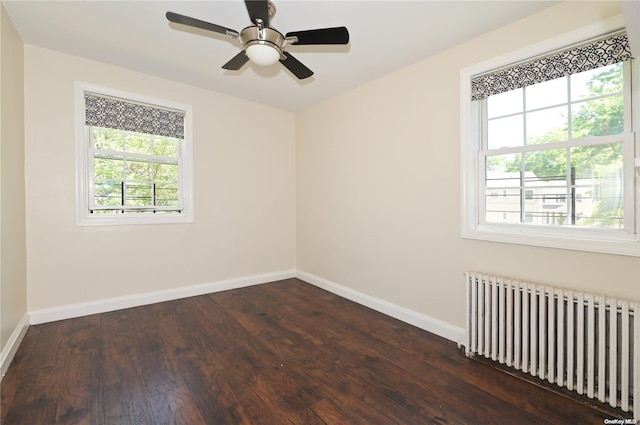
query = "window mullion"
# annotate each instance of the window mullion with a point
(522, 155)
(627, 84)
(587, 141)
(630, 181)
(571, 189)
(123, 196)
(108, 153)
(569, 110)
(524, 116)
(90, 171)
(482, 163)
(522, 186)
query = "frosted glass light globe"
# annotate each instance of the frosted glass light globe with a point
(263, 54)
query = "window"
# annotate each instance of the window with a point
(554, 135)
(134, 160)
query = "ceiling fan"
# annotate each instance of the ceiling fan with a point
(263, 44)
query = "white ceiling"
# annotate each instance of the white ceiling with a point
(384, 36)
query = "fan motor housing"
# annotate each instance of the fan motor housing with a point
(268, 36)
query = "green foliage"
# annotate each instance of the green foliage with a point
(602, 164)
(548, 165)
(143, 178)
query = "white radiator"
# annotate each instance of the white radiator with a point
(587, 343)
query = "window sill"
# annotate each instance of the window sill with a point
(600, 242)
(132, 220)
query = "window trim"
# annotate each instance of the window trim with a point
(83, 190)
(592, 240)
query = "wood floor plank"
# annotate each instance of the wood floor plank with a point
(284, 353)
(154, 352)
(176, 407)
(37, 404)
(124, 397)
(12, 383)
(80, 386)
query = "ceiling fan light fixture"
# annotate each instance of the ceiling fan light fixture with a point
(264, 45)
(263, 54)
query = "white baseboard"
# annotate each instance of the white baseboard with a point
(102, 306)
(422, 321)
(406, 315)
(9, 350)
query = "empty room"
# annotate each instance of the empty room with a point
(319, 212)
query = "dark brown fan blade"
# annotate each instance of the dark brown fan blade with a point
(337, 35)
(197, 23)
(236, 62)
(258, 9)
(296, 67)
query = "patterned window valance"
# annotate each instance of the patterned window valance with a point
(121, 114)
(602, 52)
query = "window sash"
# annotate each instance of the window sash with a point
(627, 140)
(93, 153)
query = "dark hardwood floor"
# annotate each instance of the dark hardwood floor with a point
(280, 353)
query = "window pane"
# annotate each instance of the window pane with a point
(138, 143)
(547, 125)
(598, 117)
(546, 94)
(547, 206)
(167, 194)
(599, 185)
(107, 169)
(546, 179)
(546, 168)
(138, 170)
(596, 82)
(503, 188)
(503, 206)
(108, 194)
(497, 166)
(165, 147)
(138, 194)
(505, 132)
(166, 172)
(506, 103)
(105, 138)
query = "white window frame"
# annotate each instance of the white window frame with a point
(473, 225)
(84, 168)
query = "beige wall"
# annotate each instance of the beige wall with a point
(378, 186)
(244, 174)
(362, 190)
(13, 281)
